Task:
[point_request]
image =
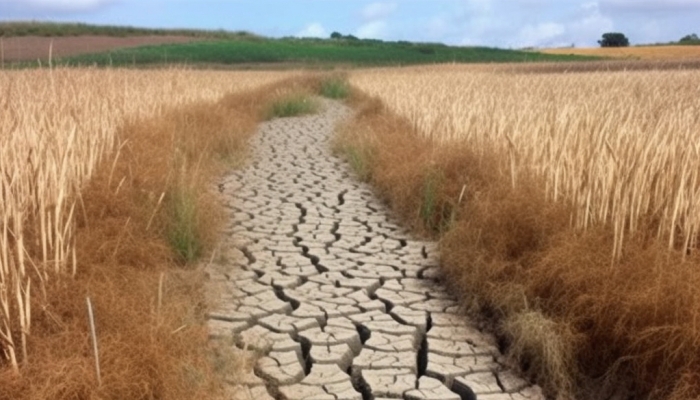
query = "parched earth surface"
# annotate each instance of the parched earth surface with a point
(339, 300)
(32, 48)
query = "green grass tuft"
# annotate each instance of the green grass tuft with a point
(335, 88)
(429, 204)
(184, 234)
(360, 161)
(292, 106)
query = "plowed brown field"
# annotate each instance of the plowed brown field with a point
(25, 48)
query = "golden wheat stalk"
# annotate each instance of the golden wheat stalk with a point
(56, 127)
(621, 147)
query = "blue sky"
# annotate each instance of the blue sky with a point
(501, 23)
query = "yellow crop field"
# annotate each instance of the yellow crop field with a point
(56, 126)
(622, 147)
(634, 52)
(568, 205)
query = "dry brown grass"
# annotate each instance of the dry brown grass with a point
(171, 129)
(577, 296)
(634, 52)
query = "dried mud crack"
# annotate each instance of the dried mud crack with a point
(342, 302)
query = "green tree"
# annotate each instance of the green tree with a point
(614, 39)
(690, 38)
(336, 35)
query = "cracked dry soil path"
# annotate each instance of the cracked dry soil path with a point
(343, 303)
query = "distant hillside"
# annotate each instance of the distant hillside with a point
(56, 29)
(96, 45)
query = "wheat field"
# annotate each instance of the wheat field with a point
(620, 146)
(56, 127)
(567, 205)
(659, 53)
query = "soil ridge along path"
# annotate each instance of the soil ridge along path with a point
(342, 302)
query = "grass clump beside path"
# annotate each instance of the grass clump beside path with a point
(335, 88)
(291, 105)
(298, 99)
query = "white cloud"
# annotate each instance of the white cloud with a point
(58, 5)
(379, 10)
(543, 34)
(375, 15)
(591, 26)
(646, 6)
(314, 29)
(581, 27)
(479, 31)
(372, 30)
(544, 23)
(476, 22)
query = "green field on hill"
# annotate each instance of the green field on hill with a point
(308, 52)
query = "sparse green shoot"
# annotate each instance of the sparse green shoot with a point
(359, 159)
(292, 105)
(335, 88)
(183, 234)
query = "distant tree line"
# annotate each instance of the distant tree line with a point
(339, 36)
(690, 39)
(617, 39)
